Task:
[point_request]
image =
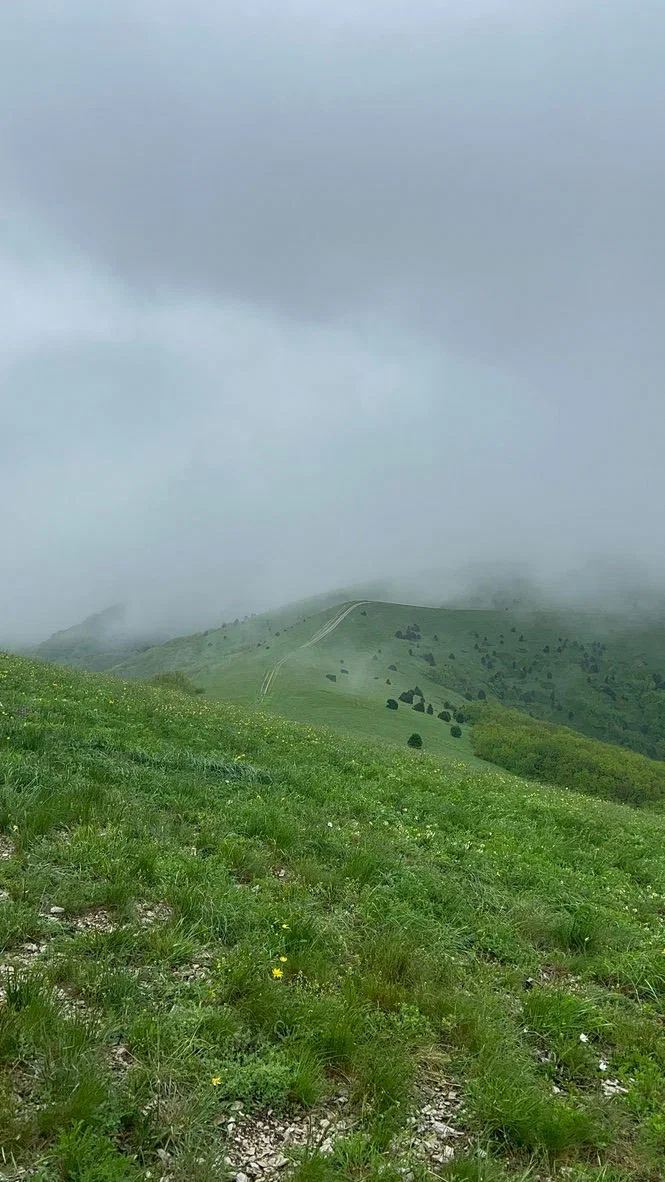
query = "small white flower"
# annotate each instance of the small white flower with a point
(330, 824)
(602, 1066)
(584, 1037)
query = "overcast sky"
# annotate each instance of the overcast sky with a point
(298, 294)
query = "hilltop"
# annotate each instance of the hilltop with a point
(232, 944)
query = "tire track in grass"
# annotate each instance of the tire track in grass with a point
(324, 630)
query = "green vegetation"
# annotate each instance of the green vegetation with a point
(202, 907)
(557, 755)
(601, 674)
(175, 680)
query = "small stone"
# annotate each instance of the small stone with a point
(448, 1153)
(240, 1177)
(57, 911)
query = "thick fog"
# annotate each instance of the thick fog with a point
(299, 295)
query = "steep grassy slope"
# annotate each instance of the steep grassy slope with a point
(596, 673)
(211, 918)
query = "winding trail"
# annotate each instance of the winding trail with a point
(324, 630)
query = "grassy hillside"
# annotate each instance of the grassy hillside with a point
(229, 939)
(558, 755)
(599, 674)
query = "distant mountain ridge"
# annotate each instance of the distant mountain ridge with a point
(100, 641)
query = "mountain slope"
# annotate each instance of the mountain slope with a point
(98, 642)
(211, 919)
(598, 673)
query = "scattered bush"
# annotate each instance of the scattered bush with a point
(393, 668)
(482, 695)
(419, 706)
(429, 658)
(388, 681)
(414, 740)
(459, 716)
(406, 696)
(430, 708)
(392, 704)
(331, 676)
(444, 715)
(411, 633)
(456, 732)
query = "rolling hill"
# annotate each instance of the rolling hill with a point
(599, 673)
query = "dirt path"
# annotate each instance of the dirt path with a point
(324, 630)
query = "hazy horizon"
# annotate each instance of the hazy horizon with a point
(297, 299)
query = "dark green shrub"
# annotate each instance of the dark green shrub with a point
(392, 704)
(175, 680)
(456, 732)
(414, 740)
(444, 715)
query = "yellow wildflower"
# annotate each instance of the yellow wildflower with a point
(277, 973)
(283, 959)
(216, 1081)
